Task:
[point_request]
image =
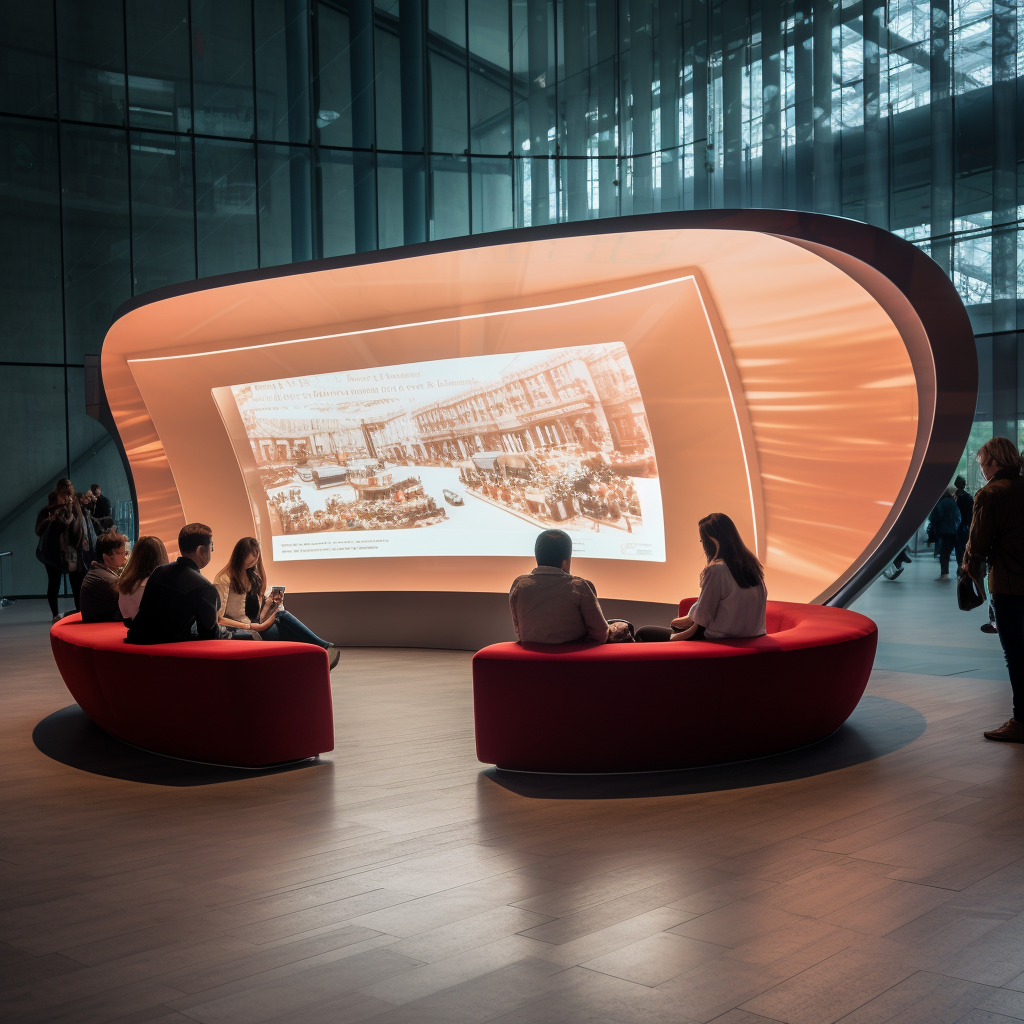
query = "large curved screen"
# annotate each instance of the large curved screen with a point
(410, 420)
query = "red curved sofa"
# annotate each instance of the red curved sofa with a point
(656, 707)
(219, 701)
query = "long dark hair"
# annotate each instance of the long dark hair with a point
(148, 553)
(740, 560)
(245, 580)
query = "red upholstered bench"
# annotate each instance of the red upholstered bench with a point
(656, 707)
(219, 701)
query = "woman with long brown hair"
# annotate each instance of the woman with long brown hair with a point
(148, 553)
(248, 613)
(733, 597)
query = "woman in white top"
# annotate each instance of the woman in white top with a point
(148, 553)
(732, 592)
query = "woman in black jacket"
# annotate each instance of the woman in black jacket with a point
(60, 528)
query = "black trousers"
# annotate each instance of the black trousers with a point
(1009, 609)
(947, 542)
(53, 578)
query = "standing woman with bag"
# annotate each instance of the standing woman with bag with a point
(60, 528)
(997, 538)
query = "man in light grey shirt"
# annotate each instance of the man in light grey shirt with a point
(551, 606)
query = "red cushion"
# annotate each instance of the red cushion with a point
(647, 707)
(221, 701)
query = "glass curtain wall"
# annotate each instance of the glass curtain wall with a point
(143, 144)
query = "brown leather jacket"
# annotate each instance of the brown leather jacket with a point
(997, 533)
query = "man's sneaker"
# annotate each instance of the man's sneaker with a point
(944, 576)
(333, 655)
(56, 618)
(1011, 732)
(988, 627)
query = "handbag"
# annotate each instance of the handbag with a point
(970, 593)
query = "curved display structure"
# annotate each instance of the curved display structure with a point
(548, 708)
(404, 422)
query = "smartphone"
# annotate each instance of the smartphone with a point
(277, 590)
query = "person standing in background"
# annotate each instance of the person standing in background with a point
(945, 519)
(997, 538)
(965, 506)
(102, 506)
(60, 528)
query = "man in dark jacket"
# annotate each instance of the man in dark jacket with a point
(945, 519)
(179, 603)
(997, 538)
(965, 506)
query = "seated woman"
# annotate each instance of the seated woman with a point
(733, 596)
(250, 615)
(148, 553)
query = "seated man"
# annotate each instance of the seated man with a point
(179, 603)
(550, 606)
(98, 598)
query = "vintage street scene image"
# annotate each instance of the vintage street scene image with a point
(481, 451)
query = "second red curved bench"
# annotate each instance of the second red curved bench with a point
(651, 707)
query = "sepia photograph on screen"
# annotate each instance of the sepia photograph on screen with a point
(464, 456)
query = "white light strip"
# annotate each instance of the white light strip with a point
(424, 323)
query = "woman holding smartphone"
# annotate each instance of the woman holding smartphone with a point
(246, 609)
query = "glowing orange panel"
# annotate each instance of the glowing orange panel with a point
(411, 423)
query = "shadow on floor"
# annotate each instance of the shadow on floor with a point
(877, 726)
(70, 737)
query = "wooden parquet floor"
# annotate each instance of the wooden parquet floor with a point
(396, 882)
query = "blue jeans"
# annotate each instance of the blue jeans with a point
(286, 627)
(1009, 609)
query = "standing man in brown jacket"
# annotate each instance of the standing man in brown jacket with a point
(997, 537)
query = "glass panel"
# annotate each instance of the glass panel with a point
(448, 105)
(282, 70)
(447, 23)
(90, 69)
(159, 91)
(31, 324)
(222, 67)
(390, 215)
(533, 79)
(337, 197)
(28, 72)
(225, 206)
(32, 398)
(94, 455)
(387, 81)
(489, 81)
(492, 194)
(334, 118)
(284, 201)
(163, 211)
(449, 194)
(97, 263)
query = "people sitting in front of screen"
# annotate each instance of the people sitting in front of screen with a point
(147, 554)
(733, 596)
(551, 606)
(179, 603)
(246, 610)
(98, 596)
